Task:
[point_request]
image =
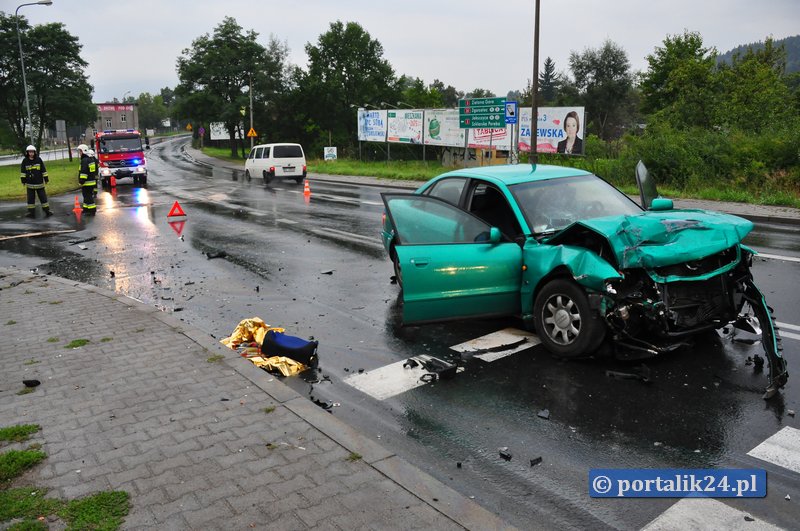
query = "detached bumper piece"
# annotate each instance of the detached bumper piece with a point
(770, 338)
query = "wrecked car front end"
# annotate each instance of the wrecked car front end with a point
(681, 273)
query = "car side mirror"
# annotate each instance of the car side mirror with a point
(494, 235)
(661, 203)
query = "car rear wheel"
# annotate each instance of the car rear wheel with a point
(267, 177)
(298, 180)
(564, 320)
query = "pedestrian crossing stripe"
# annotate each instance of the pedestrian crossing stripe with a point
(782, 449)
(707, 514)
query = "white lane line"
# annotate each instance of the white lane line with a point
(489, 348)
(782, 449)
(789, 335)
(788, 326)
(706, 514)
(341, 235)
(779, 257)
(373, 203)
(287, 221)
(387, 381)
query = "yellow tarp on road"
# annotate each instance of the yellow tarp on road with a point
(253, 330)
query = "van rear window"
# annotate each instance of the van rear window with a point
(287, 152)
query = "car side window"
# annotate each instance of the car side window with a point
(252, 154)
(449, 189)
(265, 155)
(258, 152)
(421, 220)
(488, 203)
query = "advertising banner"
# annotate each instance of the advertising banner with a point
(500, 139)
(371, 126)
(218, 131)
(404, 127)
(442, 129)
(559, 130)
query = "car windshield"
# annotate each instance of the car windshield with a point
(552, 204)
(120, 145)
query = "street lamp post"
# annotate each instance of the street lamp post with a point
(22, 58)
(534, 156)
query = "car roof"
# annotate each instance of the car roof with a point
(276, 144)
(516, 173)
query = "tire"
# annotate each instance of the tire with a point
(298, 180)
(566, 324)
(135, 180)
(247, 174)
(143, 180)
(267, 177)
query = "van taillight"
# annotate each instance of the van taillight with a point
(304, 167)
(272, 169)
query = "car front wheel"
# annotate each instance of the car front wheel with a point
(564, 320)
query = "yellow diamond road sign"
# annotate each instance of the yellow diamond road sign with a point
(251, 133)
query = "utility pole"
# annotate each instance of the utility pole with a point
(534, 156)
(252, 139)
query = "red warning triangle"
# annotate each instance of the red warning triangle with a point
(176, 211)
(177, 226)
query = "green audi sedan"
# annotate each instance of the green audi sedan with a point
(576, 259)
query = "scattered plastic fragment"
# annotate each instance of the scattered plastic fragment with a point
(458, 464)
(31, 383)
(535, 461)
(790, 412)
(327, 272)
(216, 254)
(748, 518)
(544, 414)
(505, 453)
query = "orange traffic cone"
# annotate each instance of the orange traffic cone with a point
(306, 189)
(77, 203)
(113, 181)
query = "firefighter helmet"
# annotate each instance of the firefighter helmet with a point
(30, 148)
(83, 147)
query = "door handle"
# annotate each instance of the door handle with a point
(420, 262)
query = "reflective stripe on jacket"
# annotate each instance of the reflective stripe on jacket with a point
(33, 172)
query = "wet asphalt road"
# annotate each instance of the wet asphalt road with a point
(702, 409)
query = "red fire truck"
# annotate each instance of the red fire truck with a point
(120, 154)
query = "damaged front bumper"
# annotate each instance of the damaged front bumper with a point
(654, 312)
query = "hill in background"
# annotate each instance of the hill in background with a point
(791, 44)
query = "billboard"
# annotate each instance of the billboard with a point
(404, 127)
(371, 126)
(441, 128)
(218, 131)
(498, 138)
(559, 130)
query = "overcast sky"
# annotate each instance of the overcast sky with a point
(132, 45)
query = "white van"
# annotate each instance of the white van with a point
(276, 160)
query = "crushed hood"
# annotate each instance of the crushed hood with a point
(657, 239)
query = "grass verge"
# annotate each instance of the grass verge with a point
(19, 433)
(223, 154)
(15, 462)
(63, 176)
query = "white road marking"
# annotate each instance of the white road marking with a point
(788, 326)
(789, 335)
(779, 257)
(706, 514)
(373, 203)
(387, 381)
(782, 449)
(287, 221)
(494, 343)
(347, 236)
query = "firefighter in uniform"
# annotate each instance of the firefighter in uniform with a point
(33, 175)
(87, 176)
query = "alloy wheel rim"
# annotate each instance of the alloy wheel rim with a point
(562, 319)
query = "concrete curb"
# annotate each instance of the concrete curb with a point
(427, 489)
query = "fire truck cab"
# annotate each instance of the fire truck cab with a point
(120, 154)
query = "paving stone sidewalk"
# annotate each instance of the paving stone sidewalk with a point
(143, 407)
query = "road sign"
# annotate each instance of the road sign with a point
(188, 127)
(176, 211)
(251, 133)
(482, 112)
(511, 112)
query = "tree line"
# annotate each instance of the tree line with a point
(692, 117)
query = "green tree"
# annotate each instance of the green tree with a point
(679, 82)
(57, 85)
(346, 69)
(603, 77)
(753, 94)
(450, 95)
(549, 82)
(151, 110)
(415, 93)
(216, 73)
(479, 93)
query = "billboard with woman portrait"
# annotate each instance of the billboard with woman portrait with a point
(559, 130)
